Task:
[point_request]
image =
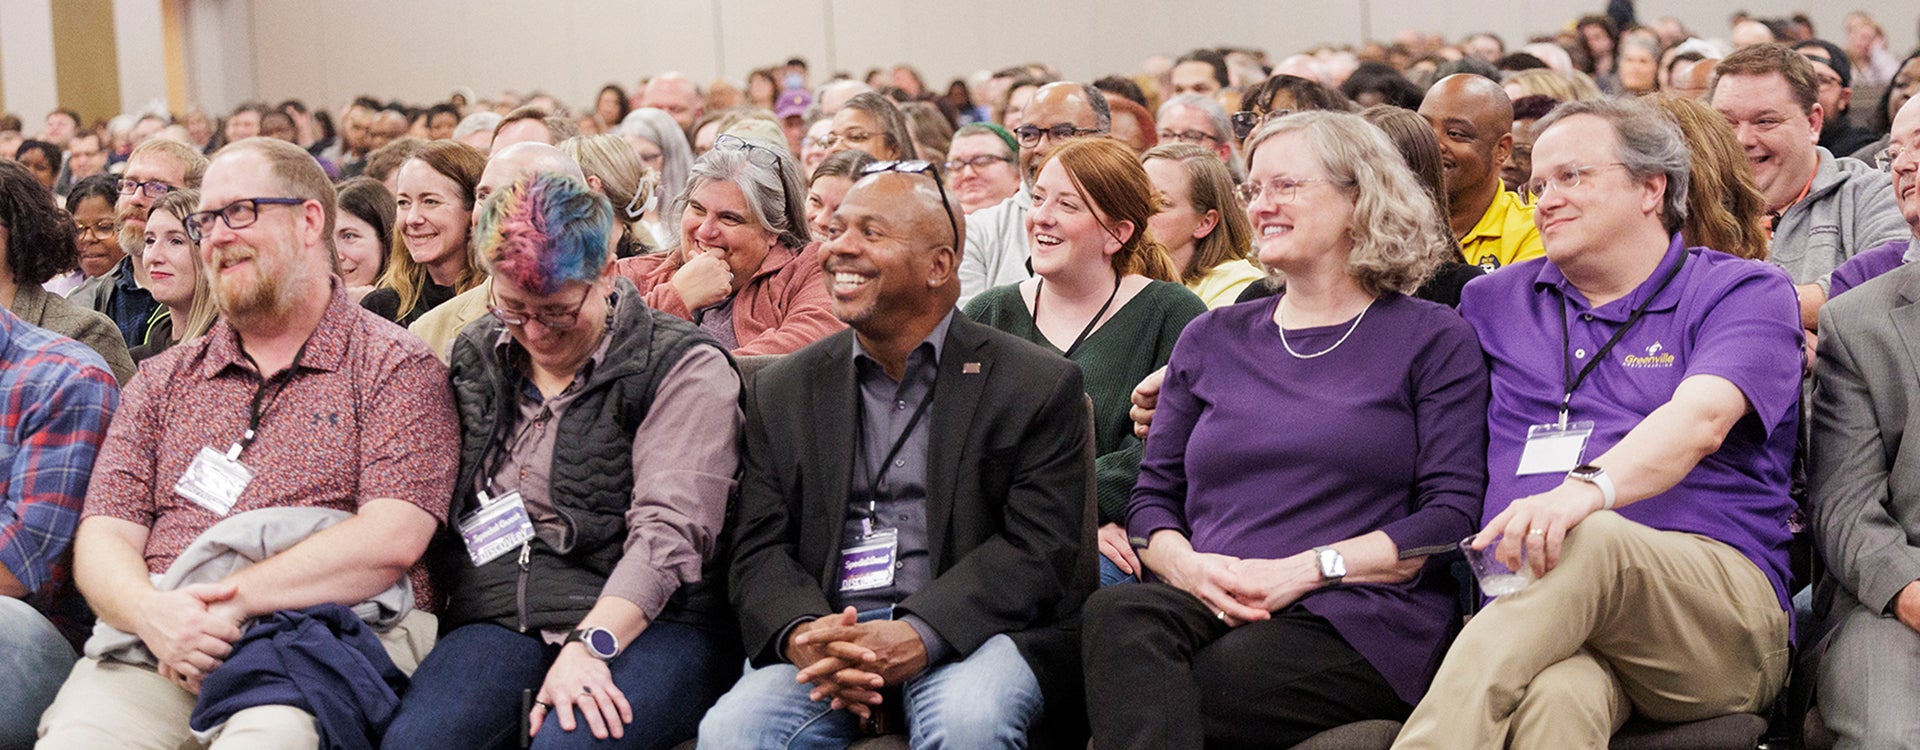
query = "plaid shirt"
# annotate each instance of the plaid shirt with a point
(59, 396)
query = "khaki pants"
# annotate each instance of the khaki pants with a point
(108, 704)
(1676, 627)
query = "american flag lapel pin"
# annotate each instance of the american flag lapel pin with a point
(970, 368)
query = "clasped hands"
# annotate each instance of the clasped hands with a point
(848, 661)
(190, 630)
(1240, 590)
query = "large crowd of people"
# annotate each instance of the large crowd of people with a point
(1496, 395)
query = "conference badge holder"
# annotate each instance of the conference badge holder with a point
(867, 563)
(495, 528)
(1554, 448)
(215, 480)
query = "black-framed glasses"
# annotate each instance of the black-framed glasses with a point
(152, 188)
(1246, 121)
(916, 166)
(239, 214)
(1030, 135)
(102, 230)
(977, 162)
(756, 153)
(550, 321)
(1195, 137)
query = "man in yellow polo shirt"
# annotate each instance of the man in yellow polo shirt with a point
(1473, 119)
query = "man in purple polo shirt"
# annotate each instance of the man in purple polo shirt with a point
(1643, 414)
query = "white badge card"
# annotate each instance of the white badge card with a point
(498, 526)
(867, 563)
(1554, 448)
(214, 481)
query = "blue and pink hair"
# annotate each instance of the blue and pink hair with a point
(544, 232)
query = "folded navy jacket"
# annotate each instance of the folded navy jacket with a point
(322, 660)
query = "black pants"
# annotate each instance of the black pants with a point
(1164, 673)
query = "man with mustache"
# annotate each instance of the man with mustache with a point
(296, 399)
(1473, 120)
(944, 573)
(155, 168)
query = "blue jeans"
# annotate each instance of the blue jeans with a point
(34, 660)
(1111, 574)
(467, 693)
(987, 700)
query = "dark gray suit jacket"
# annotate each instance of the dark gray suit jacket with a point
(1865, 481)
(1009, 516)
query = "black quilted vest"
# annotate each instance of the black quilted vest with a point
(591, 479)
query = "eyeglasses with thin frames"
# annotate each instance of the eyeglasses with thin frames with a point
(756, 153)
(550, 321)
(239, 214)
(1194, 137)
(1277, 191)
(916, 166)
(1565, 178)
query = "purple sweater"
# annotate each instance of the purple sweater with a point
(1258, 454)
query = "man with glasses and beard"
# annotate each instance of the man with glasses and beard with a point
(914, 527)
(154, 169)
(297, 400)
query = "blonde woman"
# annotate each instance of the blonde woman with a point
(615, 171)
(175, 276)
(432, 259)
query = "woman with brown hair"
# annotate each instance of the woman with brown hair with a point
(1725, 209)
(432, 259)
(1105, 296)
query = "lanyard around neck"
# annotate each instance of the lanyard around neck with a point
(1568, 378)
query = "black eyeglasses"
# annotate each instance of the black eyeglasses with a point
(153, 188)
(1030, 135)
(1194, 137)
(550, 321)
(239, 214)
(1246, 121)
(756, 153)
(916, 166)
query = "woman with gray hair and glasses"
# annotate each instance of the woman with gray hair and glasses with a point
(744, 266)
(661, 145)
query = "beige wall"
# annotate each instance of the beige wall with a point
(418, 50)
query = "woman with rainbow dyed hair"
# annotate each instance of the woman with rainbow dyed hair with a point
(597, 454)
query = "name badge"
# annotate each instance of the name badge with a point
(867, 563)
(1554, 448)
(498, 526)
(214, 480)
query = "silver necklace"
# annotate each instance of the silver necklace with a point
(1280, 320)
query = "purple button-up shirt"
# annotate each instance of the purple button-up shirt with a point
(1721, 315)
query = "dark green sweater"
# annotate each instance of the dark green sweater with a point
(1133, 343)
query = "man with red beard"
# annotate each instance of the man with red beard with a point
(155, 168)
(297, 402)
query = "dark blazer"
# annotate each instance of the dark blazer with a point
(1009, 515)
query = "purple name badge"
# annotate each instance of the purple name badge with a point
(867, 564)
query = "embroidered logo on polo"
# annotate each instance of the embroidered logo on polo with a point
(1657, 357)
(1489, 263)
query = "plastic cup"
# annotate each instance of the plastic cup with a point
(1496, 579)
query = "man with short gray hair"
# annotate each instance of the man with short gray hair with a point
(1644, 409)
(1201, 121)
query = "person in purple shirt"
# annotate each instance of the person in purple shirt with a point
(1308, 452)
(1863, 267)
(1657, 543)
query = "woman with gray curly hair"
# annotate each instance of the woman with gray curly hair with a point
(743, 266)
(1309, 452)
